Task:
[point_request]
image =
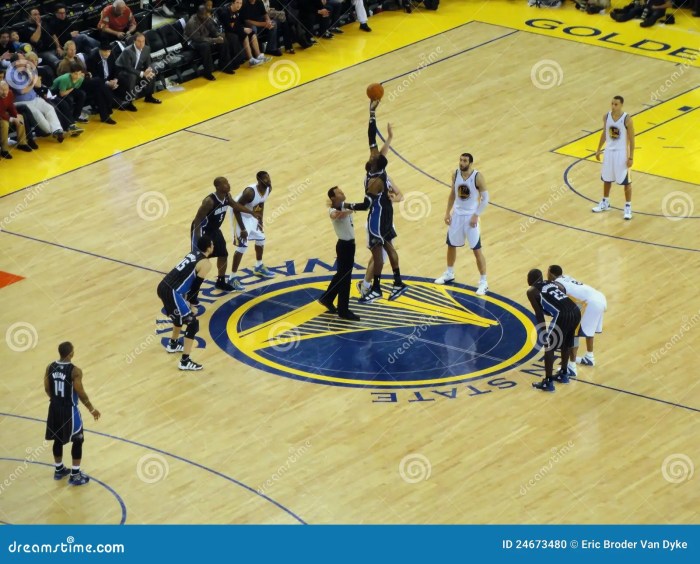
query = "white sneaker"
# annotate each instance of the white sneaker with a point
(255, 62)
(482, 289)
(601, 207)
(263, 58)
(628, 212)
(445, 278)
(572, 369)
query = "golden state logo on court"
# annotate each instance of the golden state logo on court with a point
(433, 335)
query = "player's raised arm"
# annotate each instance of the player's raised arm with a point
(387, 144)
(395, 194)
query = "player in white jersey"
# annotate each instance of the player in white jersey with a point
(250, 227)
(593, 304)
(618, 137)
(468, 200)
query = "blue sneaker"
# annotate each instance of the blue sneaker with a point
(544, 386)
(78, 479)
(236, 284)
(263, 272)
(562, 376)
(59, 474)
(585, 361)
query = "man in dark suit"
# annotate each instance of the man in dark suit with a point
(101, 64)
(135, 73)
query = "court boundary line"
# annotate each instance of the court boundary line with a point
(103, 484)
(176, 457)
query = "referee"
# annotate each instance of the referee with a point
(345, 248)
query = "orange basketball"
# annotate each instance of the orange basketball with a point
(375, 91)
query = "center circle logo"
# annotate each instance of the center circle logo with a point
(430, 336)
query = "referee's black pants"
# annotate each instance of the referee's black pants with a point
(340, 284)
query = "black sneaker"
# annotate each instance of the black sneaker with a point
(337, 30)
(330, 308)
(350, 316)
(189, 365)
(371, 297)
(397, 291)
(223, 286)
(78, 479)
(544, 386)
(173, 348)
(59, 474)
(365, 27)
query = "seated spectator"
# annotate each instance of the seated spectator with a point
(10, 117)
(279, 17)
(291, 13)
(60, 28)
(117, 22)
(256, 17)
(39, 38)
(134, 64)
(654, 11)
(232, 23)
(102, 67)
(70, 56)
(315, 12)
(71, 98)
(202, 34)
(360, 11)
(46, 73)
(44, 114)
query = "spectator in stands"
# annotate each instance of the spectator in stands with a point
(39, 38)
(71, 97)
(70, 56)
(117, 22)
(256, 17)
(315, 12)
(102, 66)
(44, 114)
(60, 28)
(202, 34)
(10, 117)
(279, 17)
(232, 22)
(360, 11)
(134, 64)
(291, 13)
(654, 11)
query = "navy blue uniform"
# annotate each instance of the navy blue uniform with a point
(211, 227)
(565, 314)
(64, 423)
(173, 289)
(380, 219)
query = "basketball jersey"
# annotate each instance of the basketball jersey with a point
(578, 290)
(466, 194)
(382, 202)
(61, 384)
(254, 205)
(553, 300)
(181, 277)
(216, 216)
(615, 133)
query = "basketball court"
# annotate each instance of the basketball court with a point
(422, 412)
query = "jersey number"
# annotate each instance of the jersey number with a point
(59, 388)
(183, 264)
(558, 294)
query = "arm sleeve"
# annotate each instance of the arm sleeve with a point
(484, 202)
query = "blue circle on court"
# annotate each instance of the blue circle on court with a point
(432, 335)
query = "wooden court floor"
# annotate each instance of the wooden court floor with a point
(237, 443)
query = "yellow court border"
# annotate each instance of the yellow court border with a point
(203, 100)
(235, 340)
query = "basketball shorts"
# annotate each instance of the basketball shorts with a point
(592, 318)
(217, 238)
(562, 330)
(459, 232)
(64, 424)
(175, 305)
(615, 167)
(255, 232)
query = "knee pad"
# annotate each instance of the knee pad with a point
(76, 450)
(192, 328)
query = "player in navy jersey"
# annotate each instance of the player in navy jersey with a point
(181, 284)
(63, 383)
(380, 219)
(208, 222)
(549, 298)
